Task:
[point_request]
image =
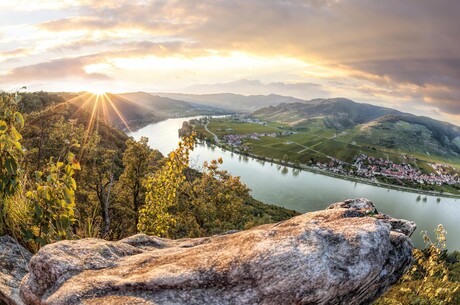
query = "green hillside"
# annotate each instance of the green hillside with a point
(343, 124)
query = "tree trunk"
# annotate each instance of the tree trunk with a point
(106, 207)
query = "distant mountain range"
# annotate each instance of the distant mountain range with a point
(233, 102)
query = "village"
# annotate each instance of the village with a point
(371, 167)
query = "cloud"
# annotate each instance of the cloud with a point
(395, 48)
(78, 23)
(55, 70)
(15, 53)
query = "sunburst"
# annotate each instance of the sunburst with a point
(100, 105)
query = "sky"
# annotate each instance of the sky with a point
(403, 54)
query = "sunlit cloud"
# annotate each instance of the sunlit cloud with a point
(402, 54)
(31, 5)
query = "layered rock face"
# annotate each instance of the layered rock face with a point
(14, 260)
(348, 254)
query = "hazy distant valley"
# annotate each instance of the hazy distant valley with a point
(345, 120)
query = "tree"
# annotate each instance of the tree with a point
(11, 122)
(161, 191)
(181, 202)
(138, 161)
(53, 202)
(210, 203)
(428, 280)
(49, 134)
(98, 175)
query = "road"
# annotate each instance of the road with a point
(214, 135)
(308, 148)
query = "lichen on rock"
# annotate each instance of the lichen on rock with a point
(347, 254)
(14, 260)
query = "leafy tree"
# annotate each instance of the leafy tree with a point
(11, 122)
(211, 203)
(427, 283)
(138, 161)
(161, 191)
(10, 147)
(182, 202)
(37, 101)
(49, 134)
(53, 202)
(99, 176)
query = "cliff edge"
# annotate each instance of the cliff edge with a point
(347, 254)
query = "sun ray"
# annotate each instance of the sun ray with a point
(77, 100)
(119, 114)
(100, 107)
(79, 96)
(105, 113)
(90, 125)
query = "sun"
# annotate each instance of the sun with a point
(97, 91)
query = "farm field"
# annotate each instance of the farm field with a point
(313, 141)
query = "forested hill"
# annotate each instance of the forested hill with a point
(110, 172)
(130, 111)
(126, 111)
(370, 125)
(341, 112)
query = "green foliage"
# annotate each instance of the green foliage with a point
(257, 213)
(112, 183)
(428, 282)
(453, 263)
(37, 101)
(210, 204)
(11, 121)
(99, 177)
(53, 202)
(161, 191)
(48, 133)
(181, 202)
(138, 161)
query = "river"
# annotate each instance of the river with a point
(305, 191)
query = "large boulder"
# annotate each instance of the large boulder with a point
(14, 261)
(348, 254)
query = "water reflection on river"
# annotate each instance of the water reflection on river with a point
(305, 191)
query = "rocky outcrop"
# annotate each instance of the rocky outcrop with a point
(348, 254)
(14, 260)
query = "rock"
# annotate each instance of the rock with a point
(14, 260)
(348, 254)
